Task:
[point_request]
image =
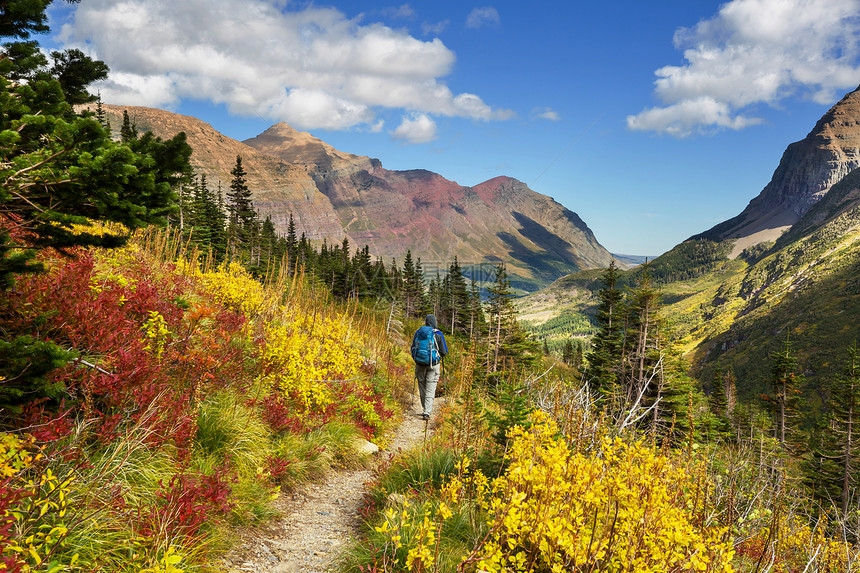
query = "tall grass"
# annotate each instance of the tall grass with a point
(167, 443)
(228, 431)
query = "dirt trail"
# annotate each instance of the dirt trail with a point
(321, 519)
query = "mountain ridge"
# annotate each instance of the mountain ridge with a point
(807, 170)
(734, 294)
(334, 195)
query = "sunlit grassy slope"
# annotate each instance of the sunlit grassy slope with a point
(733, 314)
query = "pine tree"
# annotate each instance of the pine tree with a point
(783, 399)
(458, 299)
(508, 342)
(292, 243)
(60, 169)
(242, 216)
(718, 404)
(128, 131)
(567, 353)
(641, 365)
(75, 71)
(578, 359)
(835, 462)
(412, 287)
(604, 360)
(101, 116)
(477, 320)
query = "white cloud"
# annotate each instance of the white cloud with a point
(313, 68)
(403, 11)
(435, 29)
(754, 52)
(688, 116)
(484, 16)
(545, 113)
(418, 128)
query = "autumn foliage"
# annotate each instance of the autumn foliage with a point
(130, 430)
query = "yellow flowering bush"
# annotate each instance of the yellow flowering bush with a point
(793, 544)
(308, 354)
(155, 333)
(626, 508)
(15, 454)
(235, 288)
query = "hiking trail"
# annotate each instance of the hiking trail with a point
(320, 519)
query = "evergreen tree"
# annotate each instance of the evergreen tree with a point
(362, 273)
(457, 299)
(718, 404)
(292, 243)
(101, 116)
(477, 320)
(508, 343)
(578, 355)
(604, 360)
(128, 131)
(412, 287)
(210, 220)
(20, 18)
(642, 342)
(242, 218)
(59, 169)
(75, 71)
(567, 353)
(783, 399)
(835, 462)
(269, 255)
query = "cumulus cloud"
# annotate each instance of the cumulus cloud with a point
(313, 67)
(545, 113)
(485, 16)
(755, 52)
(418, 128)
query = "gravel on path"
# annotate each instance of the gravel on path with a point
(322, 518)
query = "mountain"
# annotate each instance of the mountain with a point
(807, 171)
(787, 267)
(334, 195)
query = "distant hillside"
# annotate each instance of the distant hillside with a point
(333, 195)
(631, 260)
(734, 293)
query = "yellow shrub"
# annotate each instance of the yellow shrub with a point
(306, 356)
(235, 288)
(626, 508)
(36, 517)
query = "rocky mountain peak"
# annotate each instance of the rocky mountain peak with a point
(334, 195)
(806, 172)
(300, 147)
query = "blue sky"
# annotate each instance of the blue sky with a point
(651, 120)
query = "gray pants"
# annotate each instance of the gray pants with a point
(428, 377)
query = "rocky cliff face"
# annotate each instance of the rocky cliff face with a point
(333, 195)
(806, 172)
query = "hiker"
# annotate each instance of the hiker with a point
(428, 350)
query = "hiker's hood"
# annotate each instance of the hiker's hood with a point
(430, 320)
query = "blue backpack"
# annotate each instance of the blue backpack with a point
(424, 349)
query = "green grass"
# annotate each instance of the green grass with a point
(228, 431)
